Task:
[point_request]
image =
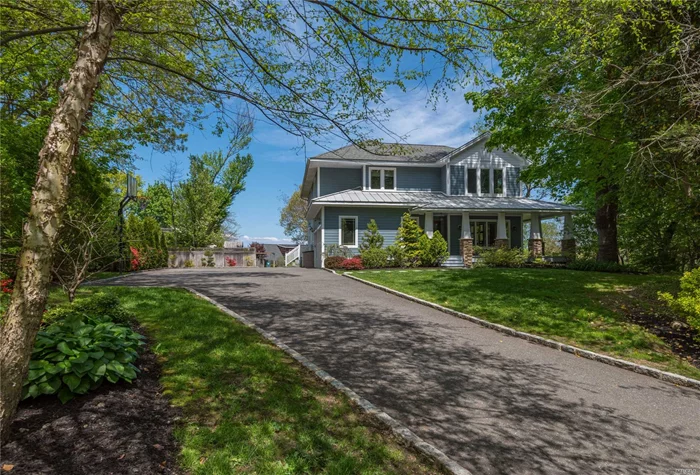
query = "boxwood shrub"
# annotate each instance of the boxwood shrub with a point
(334, 262)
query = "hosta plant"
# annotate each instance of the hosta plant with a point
(72, 357)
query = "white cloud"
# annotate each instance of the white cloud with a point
(449, 123)
(265, 239)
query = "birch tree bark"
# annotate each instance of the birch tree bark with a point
(48, 201)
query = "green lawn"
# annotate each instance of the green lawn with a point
(248, 407)
(585, 309)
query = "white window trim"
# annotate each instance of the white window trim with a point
(381, 179)
(492, 183)
(486, 230)
(340, 231)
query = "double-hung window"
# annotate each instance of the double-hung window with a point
(348, 231)
(382, 178)
(497, 181)
(471, 181)
(485, 179)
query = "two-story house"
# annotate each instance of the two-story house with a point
(472, 195)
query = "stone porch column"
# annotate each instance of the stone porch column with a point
(466, 244)
(535, 242)
(429, 224)
(568, 243)
(501, 240)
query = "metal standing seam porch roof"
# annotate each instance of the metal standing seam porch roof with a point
(430, 200)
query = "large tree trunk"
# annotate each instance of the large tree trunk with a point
(48, 201)
(606, 224)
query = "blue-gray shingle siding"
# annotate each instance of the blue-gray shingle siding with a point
(388, 220)
(513, 181)
(414, 178)
(418, 179)
(516, 231)
(340, 179)
(456, 180)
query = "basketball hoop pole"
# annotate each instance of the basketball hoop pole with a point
(130, 195)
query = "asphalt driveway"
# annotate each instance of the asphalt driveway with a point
(493, 403)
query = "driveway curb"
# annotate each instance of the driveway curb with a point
(637, 368)
(396, 427)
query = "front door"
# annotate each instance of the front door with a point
(455, 234)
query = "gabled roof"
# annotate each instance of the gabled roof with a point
(431, 200)
(475, 140)
(391, 152)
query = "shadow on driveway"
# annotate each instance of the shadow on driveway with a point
(493, 403)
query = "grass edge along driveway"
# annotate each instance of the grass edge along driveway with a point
(247, 406)
(584, 309)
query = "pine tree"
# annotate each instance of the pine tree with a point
(409, 239)
(371, 239)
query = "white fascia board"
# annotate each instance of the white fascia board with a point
(551, 212)
(447, 158)
(315, 163)
(370, 163)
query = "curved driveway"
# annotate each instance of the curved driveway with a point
(493, 403)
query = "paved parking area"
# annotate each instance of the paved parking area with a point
(493, 403)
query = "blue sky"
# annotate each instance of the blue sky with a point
(279, 161)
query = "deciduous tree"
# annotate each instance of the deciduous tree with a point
(311, 67)
(293, 217)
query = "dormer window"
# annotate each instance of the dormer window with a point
(498, 181)
(382, 178)
(485, 181)
(471, 181)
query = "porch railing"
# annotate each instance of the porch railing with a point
(292, 255)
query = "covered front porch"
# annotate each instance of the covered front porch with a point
(469, 232)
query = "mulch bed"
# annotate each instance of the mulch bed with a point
(682, 339)
(657, 319)
(118, 429)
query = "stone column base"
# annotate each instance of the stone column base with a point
(536, 247)
(466, 250)
(501, 243)
(568, 248)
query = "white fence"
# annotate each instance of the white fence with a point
(242, 256)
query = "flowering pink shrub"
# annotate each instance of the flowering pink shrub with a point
(230, 261)
(354, 263)
(136, 259)
(6, 285)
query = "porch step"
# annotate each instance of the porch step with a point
(453, 261)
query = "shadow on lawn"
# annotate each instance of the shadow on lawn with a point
(491, 413)
(119, 429)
